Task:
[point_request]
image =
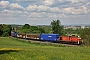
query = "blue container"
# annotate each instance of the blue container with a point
(15, 34)
(49, 37)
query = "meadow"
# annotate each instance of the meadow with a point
(13, 49)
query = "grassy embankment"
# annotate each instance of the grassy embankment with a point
(12, 49)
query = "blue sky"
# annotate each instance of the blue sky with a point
(42, 12)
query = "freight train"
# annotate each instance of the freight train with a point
(49, 37)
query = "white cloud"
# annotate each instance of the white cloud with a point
(88, 6)
(43, 8)
(16, 5)
(24, 0)
(48, 2)
(4, 4)
(70, 11)
(31, 7)
(35, 15)
(55, 9)
(88, 3)
(78, 1)
(56, 16)
(7, 11)
(46, 15)
(79, 10)
(72, 1)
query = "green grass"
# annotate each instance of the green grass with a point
(12, 49)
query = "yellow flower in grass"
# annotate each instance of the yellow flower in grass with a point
(10, 49)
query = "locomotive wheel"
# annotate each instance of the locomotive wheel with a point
(78, 42)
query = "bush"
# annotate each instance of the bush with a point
(5, 34)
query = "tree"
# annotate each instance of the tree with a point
(10, 29)
(1, 32)
(57, 28)
(26, 26)
(24, 31)
(45, 29)
(41, 30)
(31, 29)
(85, 34)
(6, 30)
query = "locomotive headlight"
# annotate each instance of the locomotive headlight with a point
(79, 38)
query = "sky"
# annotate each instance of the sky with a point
(42, 12)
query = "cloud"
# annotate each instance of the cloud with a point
(25, 0)
(7, 11)
(4, 0)
(44, 9)
(7, 5)
(48, 2)
(31, 7)
(71, 10)
(83, 9)
(68, 10)
(16, 6)
(10, 10)
(4, 4)
(10, 13)
(78, 1)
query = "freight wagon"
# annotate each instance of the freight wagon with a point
(49, 37)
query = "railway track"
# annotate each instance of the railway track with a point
(46, 42)
(52, 43)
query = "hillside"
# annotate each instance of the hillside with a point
(12, 49)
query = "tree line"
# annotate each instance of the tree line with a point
(5, 30)
(30, 29)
